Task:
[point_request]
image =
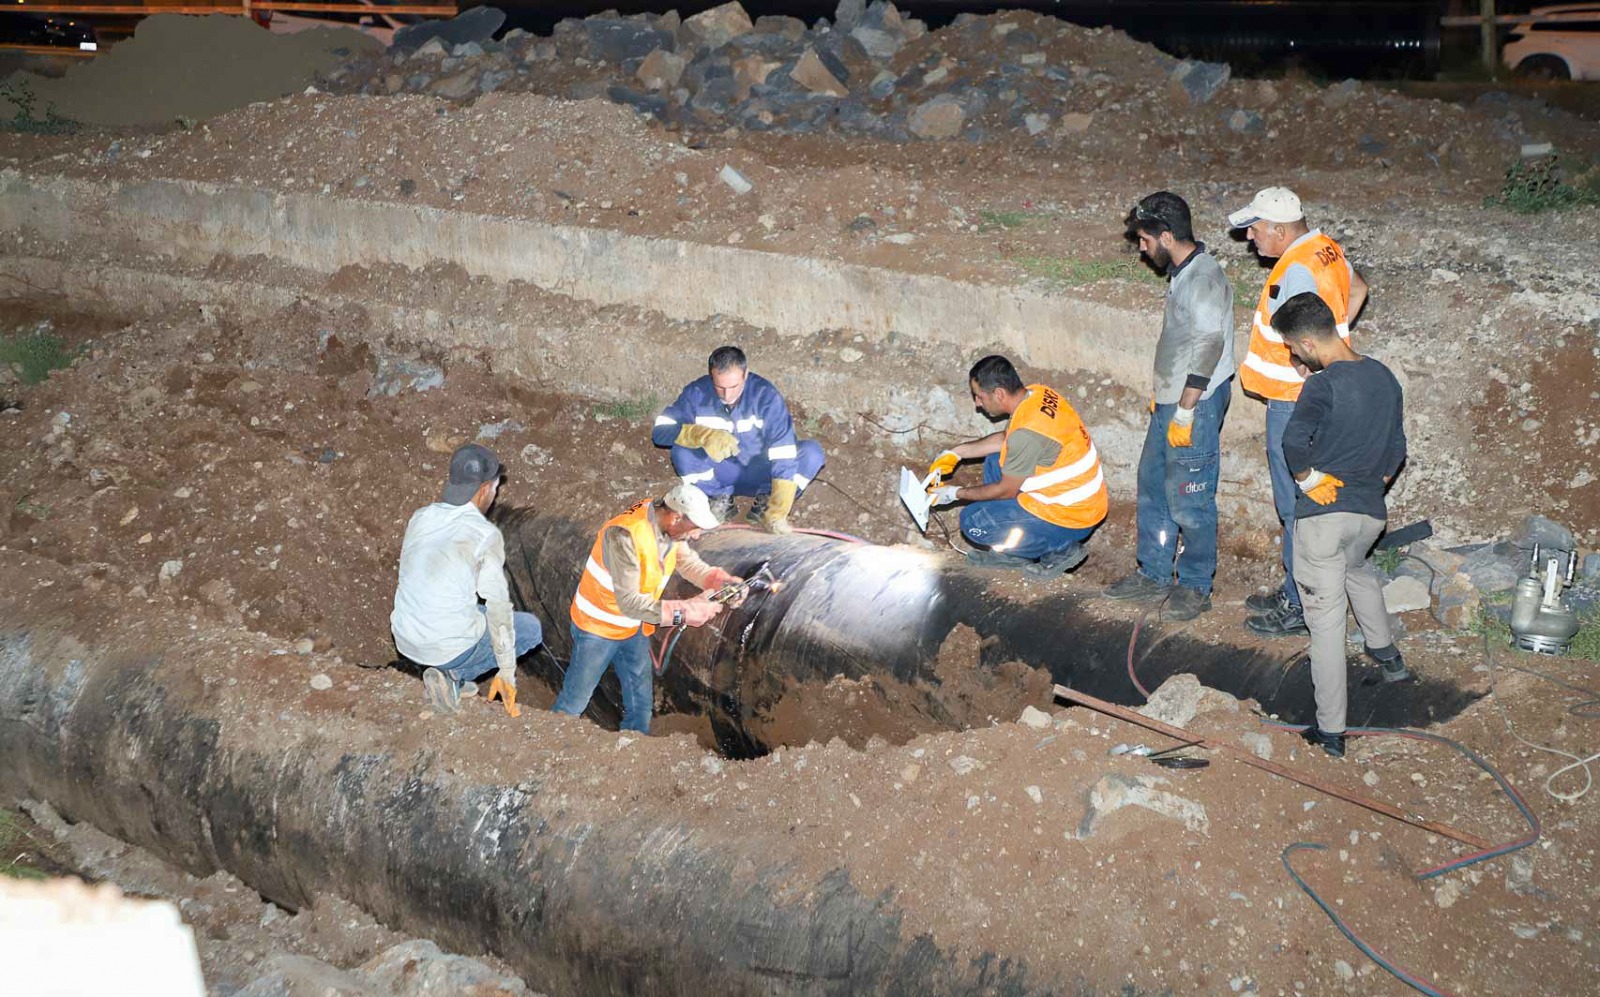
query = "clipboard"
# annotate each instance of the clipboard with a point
(915, 496)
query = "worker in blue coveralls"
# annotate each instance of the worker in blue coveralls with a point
(731, 434)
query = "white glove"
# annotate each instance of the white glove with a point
(1183, 416)
(944, 495)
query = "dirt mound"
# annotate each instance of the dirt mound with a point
(189, 67)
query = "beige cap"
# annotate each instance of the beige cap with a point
(1272, 204)
(692, 502)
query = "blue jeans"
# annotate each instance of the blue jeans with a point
(1018, 532)
(729, 477)
(1283, 490)
(1178, 494)
(479, 658)
(591, 656)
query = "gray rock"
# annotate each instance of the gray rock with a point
(321, 682)
(1406, 595)
(879, 44)
(1372, 145)
(1492, 574)
(1035, 718)
(621, 41)
(396, 374)
(1259, 744)
(1200, 81)
(1591, 569)
(419, 969)
(704, 70)
(1181, 698)
(644, 103)
(432, 49)
(848, 14)
(882, 86)
(418, 81)
(940, 118)
(791, 28)
(1115, 792)
(477, 24)
(467, 50)
(450, 64)
(1035, 123)
(716, 27)
(298, 975)
(1340, 94)
(1547, 533)
(455, 87)
(1458, 603)
(494, 79)
(1246, 122)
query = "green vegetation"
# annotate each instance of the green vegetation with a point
(1545, 184)
(24, 100)
(629, 409)
(990, 221)
(33, 510)
(1388, 560)
(35, 353)
(1075, 273)
(14, 841)
(1585, 643)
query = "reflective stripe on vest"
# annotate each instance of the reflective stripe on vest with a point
(594, 605)
(1268, 369)
(1072, 491)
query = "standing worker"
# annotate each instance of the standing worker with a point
(1042, 493)
(1344, 444)
(618, 603)
(451, 556)
(1307, 262)
(1193, 384)
(731, 434)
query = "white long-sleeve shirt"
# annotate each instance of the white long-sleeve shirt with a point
(450, 557)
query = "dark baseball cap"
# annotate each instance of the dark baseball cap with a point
(470, 467)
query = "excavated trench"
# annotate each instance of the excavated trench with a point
(883, 616)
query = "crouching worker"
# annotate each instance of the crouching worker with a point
(1343, 445)
(1042, 493)
(451, 557)
(618, 603)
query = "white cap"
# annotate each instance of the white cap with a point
(1273, 204)
(692, 502)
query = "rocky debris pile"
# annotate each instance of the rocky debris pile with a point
(872, 71)
(1460, 584)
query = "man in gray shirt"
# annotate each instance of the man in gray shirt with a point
(1193, 374)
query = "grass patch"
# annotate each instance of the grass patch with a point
(991, 221)
(1067, 272)
(23, 119)
(1585, 643)
(629, 409)
(35, 354)
(13, 841)
(1542, 184)
(1388, 560)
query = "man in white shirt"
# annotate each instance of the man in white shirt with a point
(451, 557)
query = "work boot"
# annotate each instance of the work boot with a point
(997, 559)
(1267, 602)
(1059, 563)
(441, 692)
(1391, 661)
(721, 507)
(1185, 604)
(1286, 622)
(1136, 587)
(468, 690)
(758, 508)
(1333, 744)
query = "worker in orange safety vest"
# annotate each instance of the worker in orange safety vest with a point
(618, 604)
(1306, 261)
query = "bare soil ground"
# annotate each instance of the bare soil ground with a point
(261, 466)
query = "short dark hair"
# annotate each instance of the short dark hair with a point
(1304, 316)
(1161, 212)
(995, 371)
(725, 357)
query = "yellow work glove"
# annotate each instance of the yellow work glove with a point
(1321, 488)
(944, 465)
(507, 693)
(719, 444)
(1180, 431)
(779, 505)
(1151, 408)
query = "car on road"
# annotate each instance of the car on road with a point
(42, 31)
(1558, 43)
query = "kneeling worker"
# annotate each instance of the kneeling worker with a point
(1042, 493)
(731, 434)
(451, 556)
(618, 603)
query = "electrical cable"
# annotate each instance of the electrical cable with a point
(1409, 979)
(1134, 640)
(1577, 762)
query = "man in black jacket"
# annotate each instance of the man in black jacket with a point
(1344, 444)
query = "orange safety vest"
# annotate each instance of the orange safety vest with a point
(594, 605)
(1268, 370)
(1072, 491)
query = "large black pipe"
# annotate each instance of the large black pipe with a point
(857, 610)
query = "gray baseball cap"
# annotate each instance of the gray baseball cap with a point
(692, 502)
(470, 466)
